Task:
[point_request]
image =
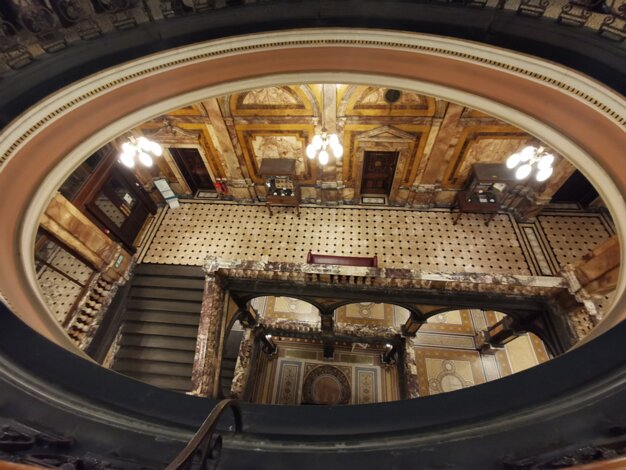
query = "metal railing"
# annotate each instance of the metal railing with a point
(204, 449)
(29, 28)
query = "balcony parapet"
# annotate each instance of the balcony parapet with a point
(29, 29)
(362, 277)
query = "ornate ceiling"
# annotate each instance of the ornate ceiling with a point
(436, 141)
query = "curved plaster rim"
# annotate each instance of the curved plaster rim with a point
(563, 145)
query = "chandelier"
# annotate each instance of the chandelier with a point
(142, 149)
(530, 159)
(323, 145)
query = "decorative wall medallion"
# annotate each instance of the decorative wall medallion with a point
(326, 385)
(365, 308)
(448, 380)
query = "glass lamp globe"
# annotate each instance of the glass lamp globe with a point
(156, 149)
(310, 151)
(545, 162)
(145, 159)
(127, 159)
(523, 171)
(317, 142)
(527, 153)
(544, 173)
(323, 157)
(513, 161)
(143, 143)
(128, 148)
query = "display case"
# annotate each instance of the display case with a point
(280, 182)
(495, 178)
(489, 186)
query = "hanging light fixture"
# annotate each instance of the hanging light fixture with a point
(324, 144)
(529, 159)
(142, 149)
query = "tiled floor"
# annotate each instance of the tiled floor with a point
(424, 240)
(571, 237)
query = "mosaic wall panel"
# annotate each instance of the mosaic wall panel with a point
(447, 370)
(447, 359)
(280, 380)
(275, 308)
(453, 322)
(400, 238)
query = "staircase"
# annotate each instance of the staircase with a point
(229, 360)
(161, 325)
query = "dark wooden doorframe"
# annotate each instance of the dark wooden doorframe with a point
(133, 214)
(191, 165)
(379, 169)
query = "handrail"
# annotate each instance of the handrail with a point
(203, 444)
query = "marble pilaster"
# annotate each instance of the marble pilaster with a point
(242, 367)
(410, 369)
(206, 359)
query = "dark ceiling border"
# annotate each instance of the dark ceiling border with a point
(579, 48)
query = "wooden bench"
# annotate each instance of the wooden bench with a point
(365, 261)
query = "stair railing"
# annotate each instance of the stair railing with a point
(204, 449)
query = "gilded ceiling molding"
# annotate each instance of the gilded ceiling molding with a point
(557, 105)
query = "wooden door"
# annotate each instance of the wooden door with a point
(192, 167)
(121, 206)
(378, 171)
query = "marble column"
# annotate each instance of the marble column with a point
(410, 369)
(242, 367)
(225, 140)
(206, 359)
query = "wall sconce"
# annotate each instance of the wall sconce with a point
(268, 345)
(389, 356)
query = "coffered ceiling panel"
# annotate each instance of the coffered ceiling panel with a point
(274, 101)
(374, 101)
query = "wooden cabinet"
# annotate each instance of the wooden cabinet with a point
(280, 182)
